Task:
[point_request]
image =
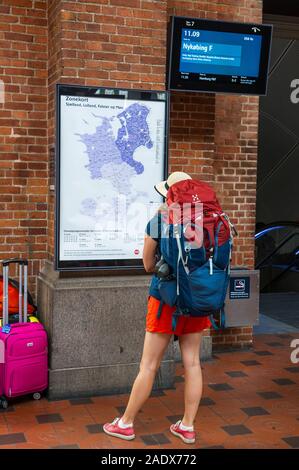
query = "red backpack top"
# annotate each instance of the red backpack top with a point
(193, 191)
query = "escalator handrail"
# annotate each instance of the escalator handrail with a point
(266, 230)
(286, 269)
(276, 225)
(281, 222)
(276, 249)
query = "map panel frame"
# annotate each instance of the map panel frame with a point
(106, 266)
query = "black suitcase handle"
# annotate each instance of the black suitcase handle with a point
(7, 262)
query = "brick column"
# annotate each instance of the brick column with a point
(214, 137)
(192, 117)
(113, 43)
(23, 132)
(235, 166)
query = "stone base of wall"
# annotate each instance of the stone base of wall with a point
(111, 379)
(96, 331)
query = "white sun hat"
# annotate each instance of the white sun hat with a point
(173, 178)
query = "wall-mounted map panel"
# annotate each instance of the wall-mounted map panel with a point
(111, 150)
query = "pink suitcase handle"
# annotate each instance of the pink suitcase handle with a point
(6, 262)
(23, 298)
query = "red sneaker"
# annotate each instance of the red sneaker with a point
(114, 430)
(187, 436)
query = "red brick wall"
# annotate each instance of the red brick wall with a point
(23, 132)
(215, 137)
(54, 74)
(114, 43)
(192, 127)
(235, 166)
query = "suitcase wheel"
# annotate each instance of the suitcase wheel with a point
(37, 396)
(3, 403)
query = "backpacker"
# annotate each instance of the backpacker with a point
(196, 243)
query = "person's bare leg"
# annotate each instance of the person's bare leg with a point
(155, 344)
(190, 351)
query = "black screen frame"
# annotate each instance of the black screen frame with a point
(123, 266)
(175, 83)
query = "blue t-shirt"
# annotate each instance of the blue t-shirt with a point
(153, 229)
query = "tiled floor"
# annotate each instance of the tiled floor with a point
(251, 400)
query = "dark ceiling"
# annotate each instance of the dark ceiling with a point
(281, 7)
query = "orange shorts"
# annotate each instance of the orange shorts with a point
(163, 324)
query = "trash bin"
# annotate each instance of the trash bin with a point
(242, 298)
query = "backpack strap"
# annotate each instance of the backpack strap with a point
(214, 324)
(180, 257)
(159, 313)
(214, 249)
(222, 320)
(178, 312)
(229, 257)
(232, 228)
(232, 231)
(174, 321)
(222, 311)
(222, 317)
(193, 226)
(215, 253)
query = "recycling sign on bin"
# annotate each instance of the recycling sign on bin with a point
(239, 287)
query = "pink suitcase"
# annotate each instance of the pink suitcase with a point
(23, 347)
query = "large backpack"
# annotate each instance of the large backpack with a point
(196, 243)
(13, 295)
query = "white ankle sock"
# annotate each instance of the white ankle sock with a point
(186, 428)
(122, 425)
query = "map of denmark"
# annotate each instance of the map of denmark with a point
(103, 149)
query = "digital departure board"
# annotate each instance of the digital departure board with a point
(218, 56)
